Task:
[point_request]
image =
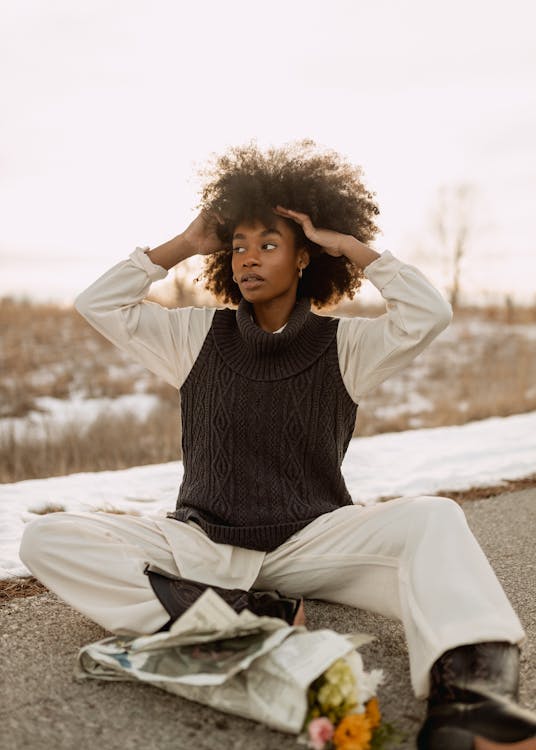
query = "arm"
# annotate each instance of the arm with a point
(172, 252)
(167, 342)
(370, 350)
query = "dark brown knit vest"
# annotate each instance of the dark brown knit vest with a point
(266, 422)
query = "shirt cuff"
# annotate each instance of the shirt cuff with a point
(382, 270)
(140, 258)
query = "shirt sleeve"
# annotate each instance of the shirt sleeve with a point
(372, 349)
(166, 341)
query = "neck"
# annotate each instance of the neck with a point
(274, 313)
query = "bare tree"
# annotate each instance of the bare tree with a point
(453, 224)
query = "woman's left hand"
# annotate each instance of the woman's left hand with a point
(329, 240)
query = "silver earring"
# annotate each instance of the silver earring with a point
(300, 272)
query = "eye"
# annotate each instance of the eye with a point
(240, 248)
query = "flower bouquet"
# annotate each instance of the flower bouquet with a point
(343, 710)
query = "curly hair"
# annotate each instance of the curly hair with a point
(245, 184)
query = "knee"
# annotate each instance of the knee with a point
(436, 510)
(432, 524)
(446, 505)
(37, 538)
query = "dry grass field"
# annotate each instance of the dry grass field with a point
(483, 365)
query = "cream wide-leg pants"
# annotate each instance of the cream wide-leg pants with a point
(413, 559)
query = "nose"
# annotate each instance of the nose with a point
(250, 258)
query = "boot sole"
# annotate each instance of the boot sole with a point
(481, 743)
(451, 738)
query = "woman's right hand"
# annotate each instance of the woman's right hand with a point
(201, 235)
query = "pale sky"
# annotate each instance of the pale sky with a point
(109, 108)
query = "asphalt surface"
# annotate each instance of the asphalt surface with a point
(44, 707)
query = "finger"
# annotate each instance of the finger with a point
(296, 213)
(288, 211)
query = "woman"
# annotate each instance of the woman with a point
(269, 394)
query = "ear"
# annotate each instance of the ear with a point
(303, 257)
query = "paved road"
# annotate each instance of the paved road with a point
(44, 708)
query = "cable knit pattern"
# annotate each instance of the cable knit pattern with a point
(266, 422)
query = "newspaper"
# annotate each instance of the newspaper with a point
(256, 667)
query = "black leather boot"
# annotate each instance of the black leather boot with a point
(178, 594)
(473, 694)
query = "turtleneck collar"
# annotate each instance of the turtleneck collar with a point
(263, 340)
(261, 355)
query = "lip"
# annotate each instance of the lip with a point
(251, 280)
(252, 283)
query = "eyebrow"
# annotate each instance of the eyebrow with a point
(272, 230)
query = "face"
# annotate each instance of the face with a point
(265, 260)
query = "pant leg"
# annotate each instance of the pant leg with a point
(413, 559)
(94, 561)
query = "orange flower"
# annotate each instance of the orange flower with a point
(353, 733)
(372, 712)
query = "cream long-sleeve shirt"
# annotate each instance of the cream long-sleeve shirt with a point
(168, 341)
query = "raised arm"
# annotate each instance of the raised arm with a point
(372, 349)
(166, 341)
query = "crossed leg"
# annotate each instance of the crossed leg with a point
(94, 561)
(413, 559)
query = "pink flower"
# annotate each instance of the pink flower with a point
(320, 731)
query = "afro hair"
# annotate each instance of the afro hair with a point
(245, 184)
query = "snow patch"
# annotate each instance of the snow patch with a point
(416, 462)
